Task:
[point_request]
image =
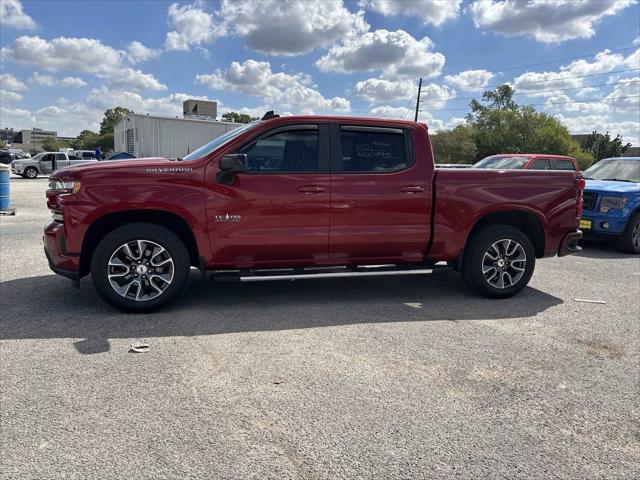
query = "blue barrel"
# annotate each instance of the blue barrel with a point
(4, 187)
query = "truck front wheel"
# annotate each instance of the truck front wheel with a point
(140, 267)
(30, 172)
(498, 261)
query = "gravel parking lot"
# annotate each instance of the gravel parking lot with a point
(399, 377)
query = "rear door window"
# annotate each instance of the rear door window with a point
(372, 150)
(559, 164)
(541, 164)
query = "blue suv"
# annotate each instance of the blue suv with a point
(612, 202)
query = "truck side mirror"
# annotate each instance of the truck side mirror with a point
(229, 165)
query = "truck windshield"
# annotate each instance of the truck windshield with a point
(620, 170)
(219, 141)
(501, 162)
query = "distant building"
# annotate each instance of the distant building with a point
(35, 137)
(169, 137)
(7, 135)
(200, 109)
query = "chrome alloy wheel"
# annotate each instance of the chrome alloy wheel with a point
(140, 270)
(635, 235)
(504, 263)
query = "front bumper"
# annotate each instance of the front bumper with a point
(569, 244)
(598, 221)
(55, 248)
(16, 169)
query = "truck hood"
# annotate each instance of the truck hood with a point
(611, 186)
(120, 165)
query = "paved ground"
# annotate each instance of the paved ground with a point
(380, 378)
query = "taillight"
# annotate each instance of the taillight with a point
(579, 185)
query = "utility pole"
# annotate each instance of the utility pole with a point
(418, 100)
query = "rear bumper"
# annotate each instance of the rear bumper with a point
(56, 251)
(569, 244)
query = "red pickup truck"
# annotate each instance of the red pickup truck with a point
(304, 196)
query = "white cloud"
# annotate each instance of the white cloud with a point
(379, 90)
(603, 62)
(137, 52)
(630, 88)
(630, 131)
(192, 26)
(9, 82)
(7, 96)
(539, 83)
(547, 21)
(589, 92)
(633, 60)
(83, 55)
(564, 103)
(397, 54)
(279, 89)
(12, 15)
(50, 81)
(434, 96)
(636, 41)
(293, 27)
(17, 118)
(170, 105)
(129, 78)
(470, 79)
(434, 12)
(404, 113)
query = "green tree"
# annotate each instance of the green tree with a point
(111, 118)
(502, 126)
(238, 117)
(3, 144)
(51, 145)
(454, 146)
(603, 146)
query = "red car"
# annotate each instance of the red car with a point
(295, 197)
(528, 161)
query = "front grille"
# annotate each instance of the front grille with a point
(589, 199)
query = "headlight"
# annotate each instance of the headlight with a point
(607, 203)
(69, 186)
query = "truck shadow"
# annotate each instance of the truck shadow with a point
(48, 307)
(603, 248)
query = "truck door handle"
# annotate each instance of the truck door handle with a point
(412, 189)
(311, 189)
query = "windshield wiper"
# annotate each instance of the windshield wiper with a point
(617, 180)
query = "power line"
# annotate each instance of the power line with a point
(547, 104)
(561, 60)
(536, 92)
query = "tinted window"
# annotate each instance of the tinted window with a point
(373, 151)
(289, 151)
(540, 165)
(501, 162)
(561, 164)
(60, 156)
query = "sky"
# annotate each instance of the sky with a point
(63, 63)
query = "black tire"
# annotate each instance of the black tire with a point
(475, 261)
(30, 172)
(629, 241)
(155, 235)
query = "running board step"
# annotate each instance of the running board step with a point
(302, 274)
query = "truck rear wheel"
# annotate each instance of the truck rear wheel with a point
(629, 241)
(498, 262)
(140, 267)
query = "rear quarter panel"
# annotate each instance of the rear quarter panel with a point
(463, 197)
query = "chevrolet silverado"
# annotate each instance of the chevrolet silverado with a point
(300, 197)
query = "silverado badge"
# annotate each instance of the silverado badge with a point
(228, 218)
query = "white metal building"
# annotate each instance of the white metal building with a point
(169, 137)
